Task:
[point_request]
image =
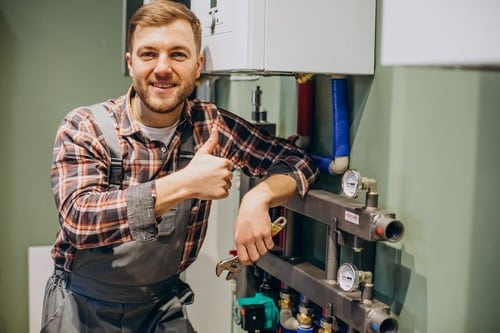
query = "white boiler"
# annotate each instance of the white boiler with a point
(288, 36)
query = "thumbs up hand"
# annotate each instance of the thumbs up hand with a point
(209, 176)
(210, 146)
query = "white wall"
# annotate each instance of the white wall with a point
(212, 308)
(40, 267)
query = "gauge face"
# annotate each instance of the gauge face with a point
(351, 183)
(347, 277)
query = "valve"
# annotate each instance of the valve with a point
(288, 323)
(305, 317)
(328, 324)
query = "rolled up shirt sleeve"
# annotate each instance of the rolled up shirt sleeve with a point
(260, 154)
(140, 212)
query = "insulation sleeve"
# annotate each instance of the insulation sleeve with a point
(340, 131)
(305, 106)
(323, 162)
(340, 117)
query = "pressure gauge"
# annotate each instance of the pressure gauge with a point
(351, 183)
(348, 277)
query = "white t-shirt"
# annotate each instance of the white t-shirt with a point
(163, 134)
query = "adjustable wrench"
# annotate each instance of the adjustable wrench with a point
(232, 265)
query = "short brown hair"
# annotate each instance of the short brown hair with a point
(161, 12)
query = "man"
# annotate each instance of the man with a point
(118, 252)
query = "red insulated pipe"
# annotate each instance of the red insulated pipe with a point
(305, 106)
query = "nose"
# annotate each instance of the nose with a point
(163, 65)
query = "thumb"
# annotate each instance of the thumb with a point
(209, 146)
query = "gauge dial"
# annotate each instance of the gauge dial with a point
(351, 183)
(347, 277)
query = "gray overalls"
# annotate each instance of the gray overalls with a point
(122, 288)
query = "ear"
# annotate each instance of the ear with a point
(199, 65)
(128, 59)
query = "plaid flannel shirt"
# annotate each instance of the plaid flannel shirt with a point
(90, 215)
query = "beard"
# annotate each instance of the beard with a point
(167, 103)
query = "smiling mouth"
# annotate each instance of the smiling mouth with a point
(163, 85)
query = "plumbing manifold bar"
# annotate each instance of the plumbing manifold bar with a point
(309, 280)
(352, 216)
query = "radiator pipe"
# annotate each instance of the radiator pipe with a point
(305, 107)
(340, 130)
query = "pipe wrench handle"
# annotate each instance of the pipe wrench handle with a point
(232, 265)
(278, 225)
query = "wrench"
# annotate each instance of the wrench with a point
(232, 265)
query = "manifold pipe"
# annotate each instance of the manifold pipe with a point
(340, 130)
(289, 237)
(381, 322)
(332, 257)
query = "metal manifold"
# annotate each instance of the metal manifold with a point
(356, 307)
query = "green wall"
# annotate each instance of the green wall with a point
(428, 136)
(55, 55)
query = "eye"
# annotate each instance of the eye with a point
(179, 56)
(147, 55)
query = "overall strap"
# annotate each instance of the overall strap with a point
(187, 145)
(106, 124)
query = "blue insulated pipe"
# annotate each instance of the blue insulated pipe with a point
(340, 131)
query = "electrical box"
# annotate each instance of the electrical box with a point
(287, 36)
(441, 33)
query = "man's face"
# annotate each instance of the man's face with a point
(164, 65)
